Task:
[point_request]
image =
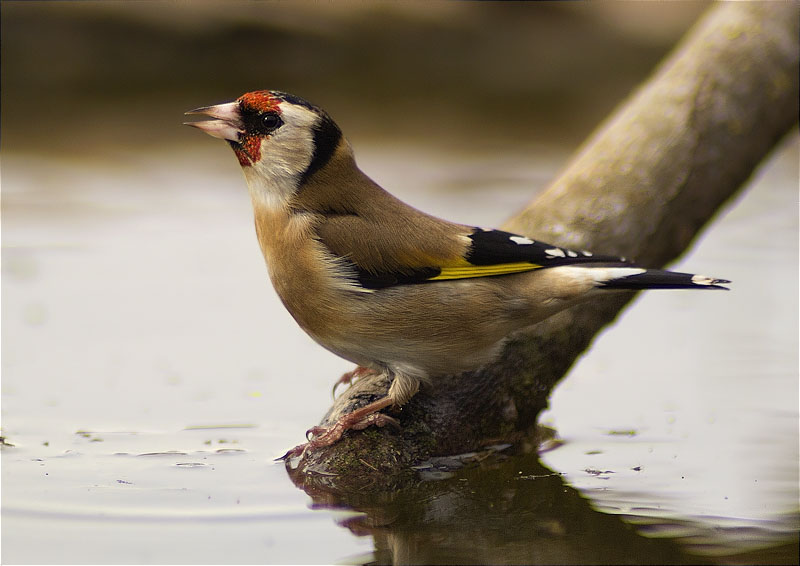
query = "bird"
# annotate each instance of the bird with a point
(392, 289)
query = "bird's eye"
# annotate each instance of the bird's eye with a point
(270, 122)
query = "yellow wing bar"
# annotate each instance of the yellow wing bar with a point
(469, 271)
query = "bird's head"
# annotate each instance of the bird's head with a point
(280, 139)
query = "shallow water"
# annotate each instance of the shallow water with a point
(150, 376)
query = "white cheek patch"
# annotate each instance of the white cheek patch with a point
(285, 156)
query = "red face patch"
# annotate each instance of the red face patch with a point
(260, 101)
(248, 150)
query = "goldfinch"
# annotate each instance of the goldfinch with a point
(381, 284)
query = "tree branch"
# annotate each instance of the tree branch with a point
(643, 186)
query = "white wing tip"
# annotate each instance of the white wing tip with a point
(705, 280)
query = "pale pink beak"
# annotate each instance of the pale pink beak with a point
(226, 126)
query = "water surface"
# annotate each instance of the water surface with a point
(150, 376)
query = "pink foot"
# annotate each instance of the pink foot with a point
(357, 420)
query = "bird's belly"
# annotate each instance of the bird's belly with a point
(425, 330)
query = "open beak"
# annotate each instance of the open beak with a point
(225, 121)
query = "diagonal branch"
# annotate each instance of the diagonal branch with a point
(643, 186)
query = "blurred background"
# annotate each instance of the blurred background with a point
(150, 374)
(81, 74)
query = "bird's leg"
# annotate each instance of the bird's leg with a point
(350, 376)
(359, 419)
(403, 388)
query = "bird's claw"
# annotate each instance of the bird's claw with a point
(298, 450)
(320, 436)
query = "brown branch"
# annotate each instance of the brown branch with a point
(642, 186)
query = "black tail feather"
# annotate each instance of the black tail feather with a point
(660, 279)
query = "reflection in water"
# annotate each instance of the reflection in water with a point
(505, 511)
